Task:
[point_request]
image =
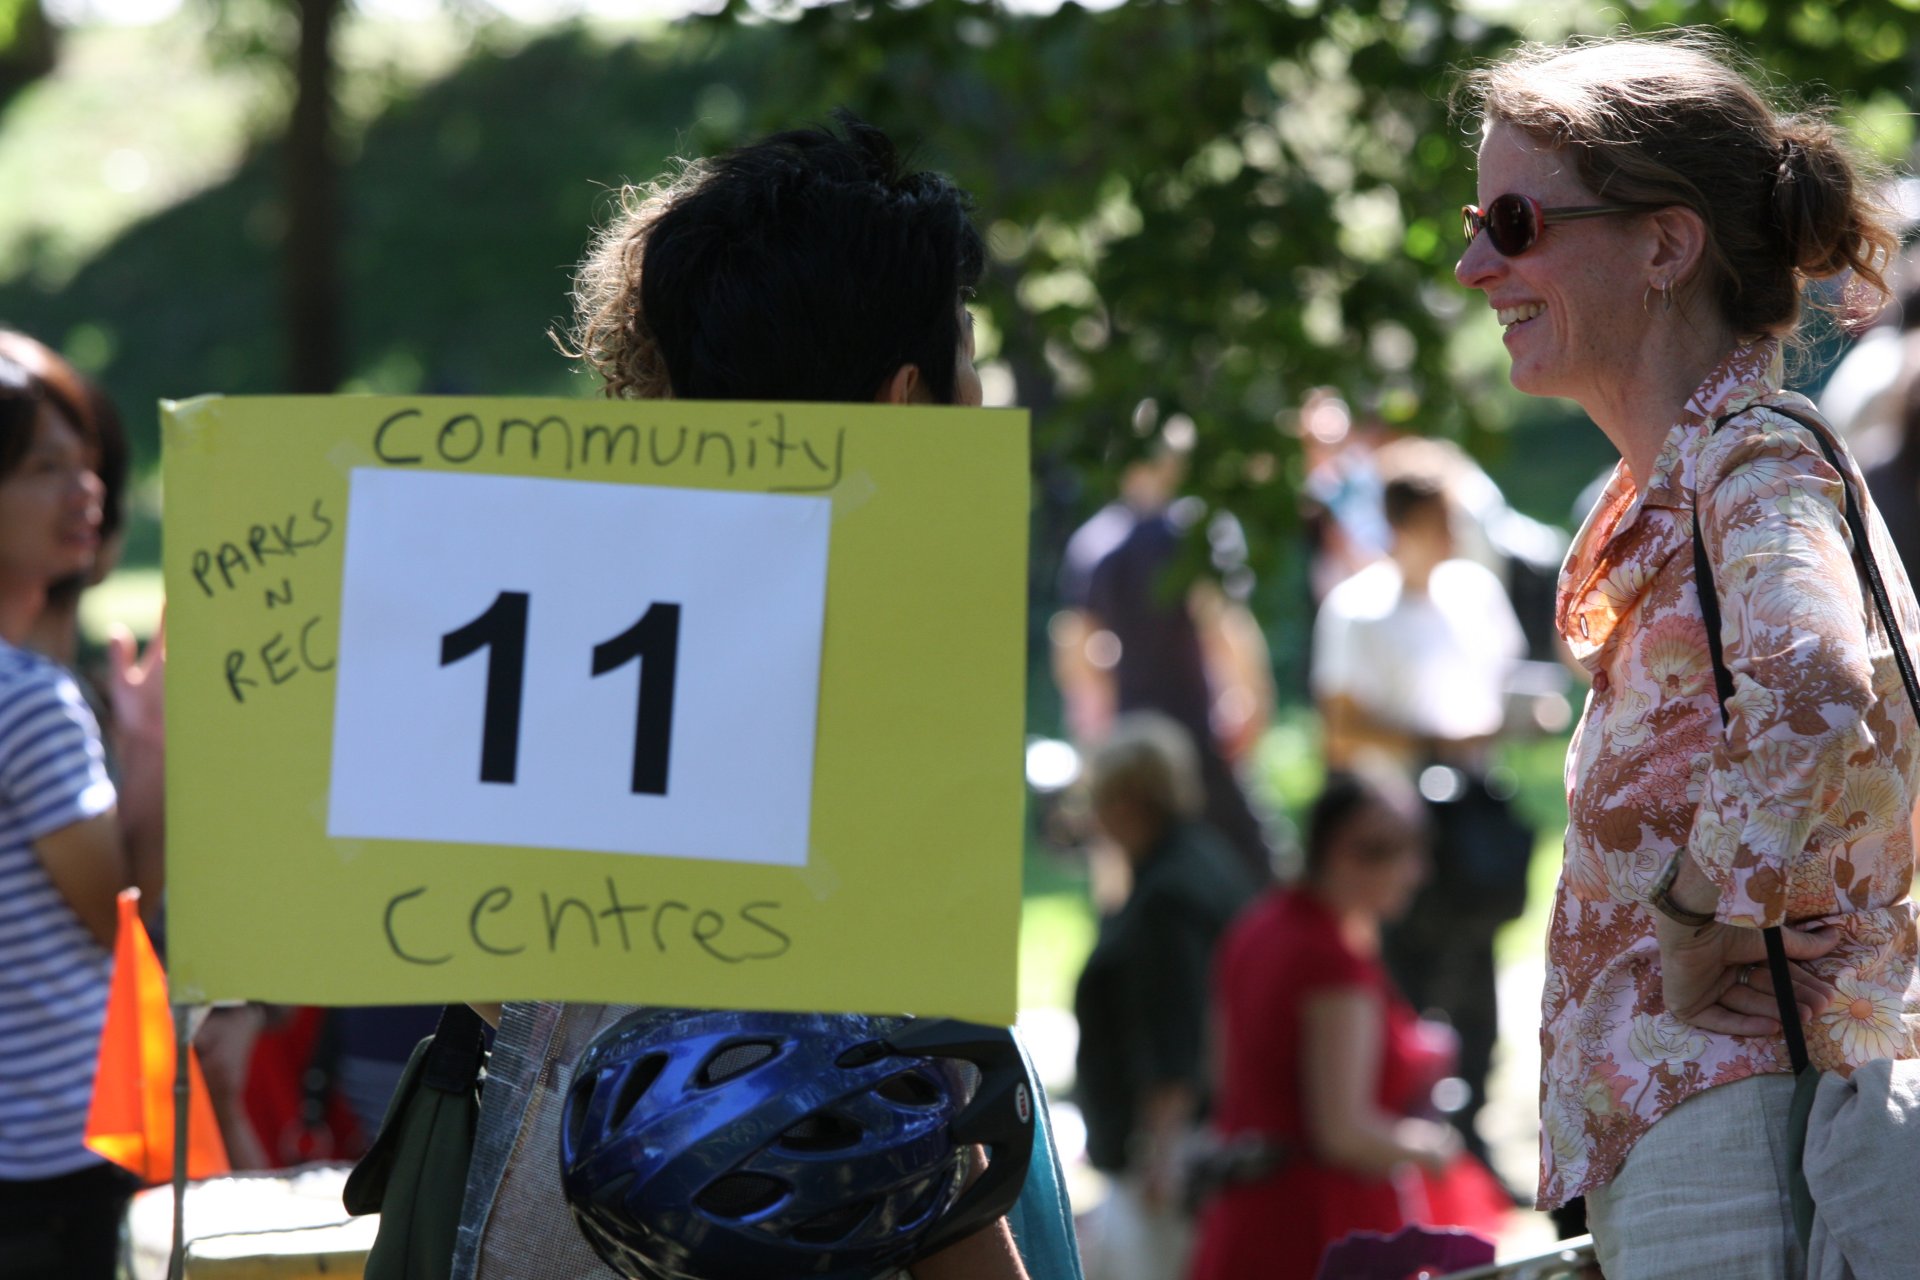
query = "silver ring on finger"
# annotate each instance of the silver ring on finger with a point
(1746, 975)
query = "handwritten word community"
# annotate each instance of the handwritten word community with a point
(760, 448)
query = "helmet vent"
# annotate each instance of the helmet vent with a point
(909, 1089)
(927, 1199)
(821, 1131)
(732, 1061)
(636, 1082)
(834, 1225)
(969, 1080)
(741, 1195)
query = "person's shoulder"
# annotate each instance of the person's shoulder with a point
(1201, 865)
(1281, 918)
(1784, 431)
(1464, 576)
(1095, 540)
(1371, 592)
(1768, 451)
(28, 678)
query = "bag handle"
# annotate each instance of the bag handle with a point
(1723, 679)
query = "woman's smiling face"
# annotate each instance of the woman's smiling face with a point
(1572, 303)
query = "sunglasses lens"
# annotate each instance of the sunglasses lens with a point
(1510, 223)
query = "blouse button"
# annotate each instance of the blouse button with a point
(1600, 682)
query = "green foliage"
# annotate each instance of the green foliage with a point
(1204, 209)
(467, 202)
(1210, 208)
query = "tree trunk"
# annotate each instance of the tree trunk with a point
(312, 248)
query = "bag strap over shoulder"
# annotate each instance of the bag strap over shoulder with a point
(1723, 679)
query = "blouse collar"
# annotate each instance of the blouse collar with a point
(1596, 589)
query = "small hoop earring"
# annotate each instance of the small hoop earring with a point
(1666, 296)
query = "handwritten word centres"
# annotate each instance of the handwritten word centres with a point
(426, 927)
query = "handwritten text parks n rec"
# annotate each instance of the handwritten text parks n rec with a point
(265, 558)
(760, 448)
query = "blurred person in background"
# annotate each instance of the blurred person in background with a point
(1325, 1072)
(67, 847)
(1647, 227)
(1130, 639)
(1895, 483)
(1348, 461)
(1411, 658)
(125, 693)
(1141, 1000)
(56, 632)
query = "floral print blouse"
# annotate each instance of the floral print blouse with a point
(1799, 810)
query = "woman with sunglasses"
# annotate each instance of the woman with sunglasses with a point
(1647, 228)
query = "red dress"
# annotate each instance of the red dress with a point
(1284, 950)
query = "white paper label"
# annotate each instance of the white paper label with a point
(573, 665)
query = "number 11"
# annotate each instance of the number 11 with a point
(502, 631)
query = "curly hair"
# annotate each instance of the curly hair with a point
(809, 265)
(610, 333)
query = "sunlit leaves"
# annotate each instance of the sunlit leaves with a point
(1218, 206)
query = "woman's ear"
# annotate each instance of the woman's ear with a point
(906, 386)
(1680, 242)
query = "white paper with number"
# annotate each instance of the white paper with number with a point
(429, 552)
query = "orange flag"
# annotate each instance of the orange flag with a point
(131, 1119)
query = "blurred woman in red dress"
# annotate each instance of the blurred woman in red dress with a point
(1325, 1070)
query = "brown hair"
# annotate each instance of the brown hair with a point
(1680, 119)
(87, 408)
(610, 333)
(1150, 759)
(1404, 498)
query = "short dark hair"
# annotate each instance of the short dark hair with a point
(809, 265)
(89, 410)
(24, 389)
(1345, 796)
(1406, 496)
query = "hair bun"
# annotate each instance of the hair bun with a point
(1814, 201)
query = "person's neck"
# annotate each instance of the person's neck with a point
(1359, 928)
(1638, 410)
(55, 631)
(1415, 574)
(20, 605)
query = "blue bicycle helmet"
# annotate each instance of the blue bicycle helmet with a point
(722, 1145)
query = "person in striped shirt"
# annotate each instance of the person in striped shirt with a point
(66, 847)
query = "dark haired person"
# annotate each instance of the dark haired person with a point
(1323, 1066)
(811, 265)
(1646, 230)
(1411, 657)
(66, 850)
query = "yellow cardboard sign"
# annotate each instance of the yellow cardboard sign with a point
(621, 701)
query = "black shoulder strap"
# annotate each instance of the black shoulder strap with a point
(1723, 679)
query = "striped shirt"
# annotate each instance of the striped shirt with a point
(53, 975)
